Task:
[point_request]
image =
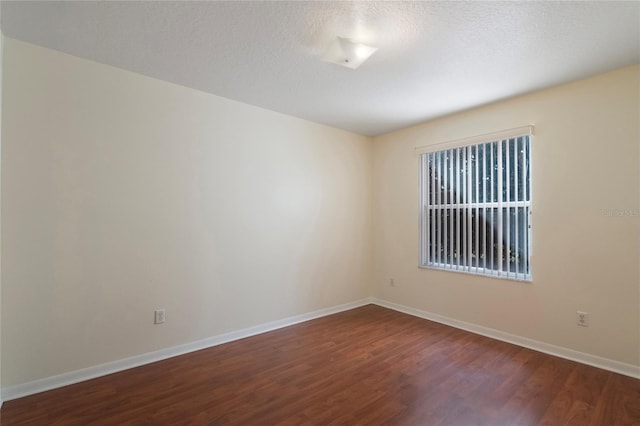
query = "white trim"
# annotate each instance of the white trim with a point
(480, 272)
(64, 379)
(48, 383)
(475, 140)
(559, 351)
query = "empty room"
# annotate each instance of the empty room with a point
(313, 213)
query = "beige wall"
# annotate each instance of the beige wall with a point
(122, 194)
(585, 160)
(1, 81)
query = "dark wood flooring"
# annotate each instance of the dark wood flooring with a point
(366, 366)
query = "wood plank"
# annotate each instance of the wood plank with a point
(369, 365)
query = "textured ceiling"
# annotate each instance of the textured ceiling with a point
(434, 58)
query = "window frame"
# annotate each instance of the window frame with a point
(503, 206)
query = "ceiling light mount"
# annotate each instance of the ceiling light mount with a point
(348, 53)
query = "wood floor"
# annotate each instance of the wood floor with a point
(366, 366)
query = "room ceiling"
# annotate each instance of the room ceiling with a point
(434, 58)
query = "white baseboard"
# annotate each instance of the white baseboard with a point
(559, 351)
(48, 383)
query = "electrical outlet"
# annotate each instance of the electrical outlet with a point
(392, 282)
(160, 316)
(582, 319)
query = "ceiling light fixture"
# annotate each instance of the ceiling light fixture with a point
(348, 53)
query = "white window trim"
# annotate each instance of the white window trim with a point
(459, 143)
(475, 140)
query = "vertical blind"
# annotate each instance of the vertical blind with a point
(476, 208)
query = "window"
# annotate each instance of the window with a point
(476, 206)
